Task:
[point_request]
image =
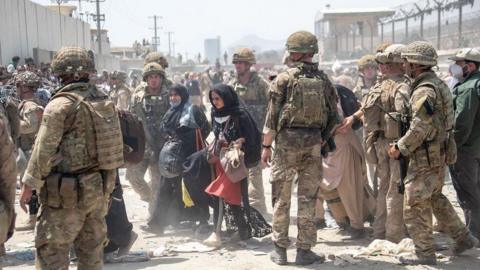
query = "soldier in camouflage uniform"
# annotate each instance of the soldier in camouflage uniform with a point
(8, 179)
(428, 148)
(77, 150)
(252, 90)
(30, 112)
(150, 105)
(120, 93)
(155, 57)
(367, 67)
(381, 111)
(301, 111)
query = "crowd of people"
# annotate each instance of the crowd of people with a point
(370, 148)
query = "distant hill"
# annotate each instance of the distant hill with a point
(257, 43)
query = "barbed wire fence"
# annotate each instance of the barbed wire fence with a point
(447, 24)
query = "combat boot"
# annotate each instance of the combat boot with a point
(306, 257)
(416, 260)
(29, 225)
(279, 255)
(356, 233)
(467, 242)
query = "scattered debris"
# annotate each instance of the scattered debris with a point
(387, 248)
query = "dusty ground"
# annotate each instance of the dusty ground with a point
(251, 255)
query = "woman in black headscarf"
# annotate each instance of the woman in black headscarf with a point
(233, 124)
(180, 124)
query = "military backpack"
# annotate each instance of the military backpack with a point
(306, 105)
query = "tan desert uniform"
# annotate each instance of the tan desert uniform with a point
(120, 93)
(30, 119)
(254, 95)
(73, 164)
(380, 101)
(8, 179)
(384, 106)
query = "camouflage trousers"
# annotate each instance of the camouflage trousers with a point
(136, 176)
(83, 227)
(256, 193)
(423, 197)
(304, 166)
(394, 226)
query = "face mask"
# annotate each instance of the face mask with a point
(456, 71)
(174, 104)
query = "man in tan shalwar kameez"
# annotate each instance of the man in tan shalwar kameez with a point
(344, 181)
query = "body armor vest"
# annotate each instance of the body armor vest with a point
(83, 147)
(305, 105)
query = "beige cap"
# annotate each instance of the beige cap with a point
(468, 54)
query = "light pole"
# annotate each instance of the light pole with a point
(59, 3)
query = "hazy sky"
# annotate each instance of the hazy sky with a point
(194, 20)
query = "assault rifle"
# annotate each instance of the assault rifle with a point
(404, 125)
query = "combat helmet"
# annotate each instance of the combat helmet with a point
(29, 79)
(119, 75)
(366, 61)
(244, 55)
(302, 42)
(421, 53)
(391, 54)
(72, 61)
(152, 68)
(156, 57)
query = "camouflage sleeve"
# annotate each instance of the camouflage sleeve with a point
(8, 173)
(30, 121)
(422, 103)
(402, 98)
(277, 94)
(44, 154)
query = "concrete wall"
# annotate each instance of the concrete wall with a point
(25, 26)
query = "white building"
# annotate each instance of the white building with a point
(212, 49)
(31, 30)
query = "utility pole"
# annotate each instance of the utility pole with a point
(156, 38)
(169, 43)
(98, 18)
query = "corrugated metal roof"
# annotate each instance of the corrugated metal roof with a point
(331, 13)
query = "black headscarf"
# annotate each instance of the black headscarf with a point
(172, 116)
(230, 101)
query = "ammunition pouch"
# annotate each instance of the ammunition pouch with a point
(392, 126)
(429, 154)
(69, 191)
